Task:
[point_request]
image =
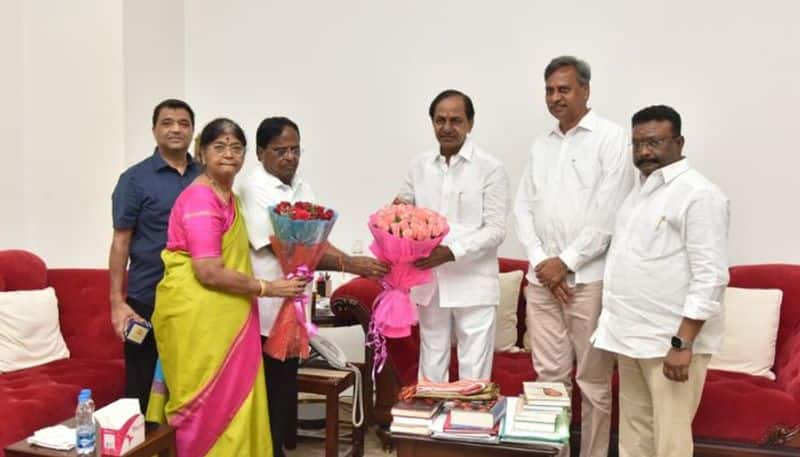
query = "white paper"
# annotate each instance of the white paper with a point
(114, 415)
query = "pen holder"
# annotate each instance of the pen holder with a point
(323, 288)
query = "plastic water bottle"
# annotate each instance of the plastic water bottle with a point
(84, 424)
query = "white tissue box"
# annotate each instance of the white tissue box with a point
(120, 427)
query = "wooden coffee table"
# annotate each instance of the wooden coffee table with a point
(423, 446)
(159, 439)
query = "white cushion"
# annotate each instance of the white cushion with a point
(505, 336)
(751, 328)
(29, 331)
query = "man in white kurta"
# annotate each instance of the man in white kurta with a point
(470, 188)
(665, 277)
(576, 176)
(273, 181)
(258, 191)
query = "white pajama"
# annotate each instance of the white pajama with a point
(473, 327)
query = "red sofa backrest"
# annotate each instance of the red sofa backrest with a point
(787, 347)
(83, 306)
(21, 270)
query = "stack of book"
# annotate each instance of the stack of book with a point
(414, 416)
(471, 420)
(540, 415)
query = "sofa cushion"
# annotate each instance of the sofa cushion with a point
(740, 407)
(30, 330)
(47, 394)
(505, 336)
(2, 284)
(751, 328)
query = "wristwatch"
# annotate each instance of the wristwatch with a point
(679, 343)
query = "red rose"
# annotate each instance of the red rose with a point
(301, 215)
(327, 215)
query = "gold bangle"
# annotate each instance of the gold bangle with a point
(263, 285)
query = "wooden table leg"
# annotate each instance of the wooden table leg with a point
(332, 424)
(170, 451)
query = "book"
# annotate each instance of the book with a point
(440, 430)
(478, 413)
(410, 429)
(509, 432)
(547, 418)
(417, 407)
(536, 408)
(534, 427)
(546, 393)
(466, 430)
(412, 421)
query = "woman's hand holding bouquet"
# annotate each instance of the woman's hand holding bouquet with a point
(300, 237)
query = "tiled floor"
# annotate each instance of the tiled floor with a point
(313, 447)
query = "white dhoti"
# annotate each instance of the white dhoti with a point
(473, 327)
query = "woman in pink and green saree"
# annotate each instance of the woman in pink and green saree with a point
(209, 382)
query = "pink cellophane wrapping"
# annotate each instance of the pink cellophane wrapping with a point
(394, 313)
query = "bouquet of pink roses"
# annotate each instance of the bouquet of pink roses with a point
(401, 234)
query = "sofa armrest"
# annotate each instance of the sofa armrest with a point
(354, 299)
(85, 313)
(788, 376)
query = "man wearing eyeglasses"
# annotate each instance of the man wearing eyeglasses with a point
(665, 276)
(273, 181)
(576, 177)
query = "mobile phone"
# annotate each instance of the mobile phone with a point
(136, 331)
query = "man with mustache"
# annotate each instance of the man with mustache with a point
(275, 180)
(666, 272)
(140, 205)
(576, 176)
(470, 188)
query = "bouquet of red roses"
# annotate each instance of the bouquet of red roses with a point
(300, 237)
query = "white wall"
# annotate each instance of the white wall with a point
(12, 227)
(358, 76)
(65, 103)
(154, 68)
(80, 79)
(79, 85)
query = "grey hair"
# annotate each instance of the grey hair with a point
(583, 69)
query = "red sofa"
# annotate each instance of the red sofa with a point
(47, 394)
(739, 415)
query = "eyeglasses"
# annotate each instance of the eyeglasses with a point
(281, 152)
(651, 143)
(220, 148)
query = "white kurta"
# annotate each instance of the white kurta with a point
(570, 190)
(257, 191)
(667, 260)
(472, 193)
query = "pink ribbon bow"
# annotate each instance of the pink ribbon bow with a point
(300, 301)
